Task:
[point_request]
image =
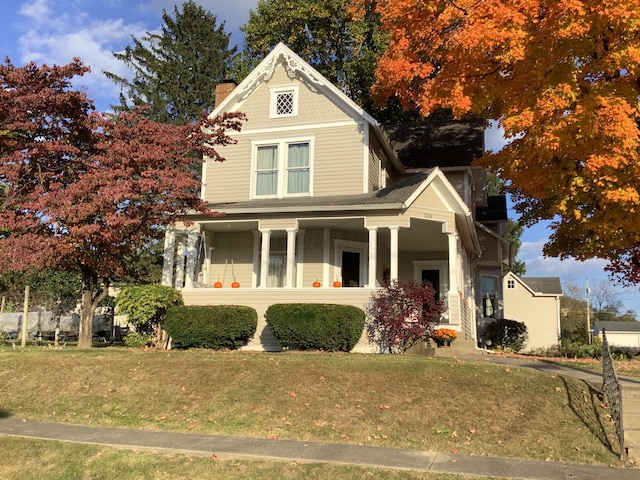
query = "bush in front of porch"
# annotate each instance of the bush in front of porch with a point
(308, 326)
(401, 314)
(216, 327)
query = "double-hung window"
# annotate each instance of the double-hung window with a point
(283, 169)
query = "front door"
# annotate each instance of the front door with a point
(433, 277)
(350, 269)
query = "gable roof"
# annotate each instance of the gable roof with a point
(617, 326)
(441, 144)
(539, 286)
(293, 63)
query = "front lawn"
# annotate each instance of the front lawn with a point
(405, 401)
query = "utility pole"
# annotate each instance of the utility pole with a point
(588, 319)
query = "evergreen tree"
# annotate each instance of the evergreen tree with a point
(175, 72)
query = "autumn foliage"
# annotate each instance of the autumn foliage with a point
(84, 191)
(402, 313)
(562, 79)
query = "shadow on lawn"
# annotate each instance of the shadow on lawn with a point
(584, 400)
(5, 414)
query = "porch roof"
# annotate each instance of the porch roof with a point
(393, 197)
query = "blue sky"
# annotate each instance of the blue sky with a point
(55, 31)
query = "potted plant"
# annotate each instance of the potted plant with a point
(444, 336)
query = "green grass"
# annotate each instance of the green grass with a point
(38, 459)
(404, 401)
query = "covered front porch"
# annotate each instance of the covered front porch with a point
(322, 259)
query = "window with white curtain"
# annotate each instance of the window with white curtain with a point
(282, 169)
(489, 296)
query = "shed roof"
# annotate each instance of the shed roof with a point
(543, 285)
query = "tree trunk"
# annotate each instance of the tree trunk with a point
(93, 292)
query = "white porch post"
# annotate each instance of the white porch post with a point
(264, 261)
(326, 248)
(393, 261)
(373, 256)
(300, 266)
(453, 263)
(192, 237)
(179, 280)
(168, 256)
(256, 259)
(291, 253)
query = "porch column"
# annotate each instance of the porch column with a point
(326, 248)
(300, 269)
(179, 279)
(291, 253)
(393, 261)
(256, 259)
(373, 256)
(264, 261)
(453, 262)
(192, 238)
(169, 255)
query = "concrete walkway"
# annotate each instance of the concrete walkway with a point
(225, 446)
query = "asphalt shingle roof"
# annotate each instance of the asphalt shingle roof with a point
(544, 285)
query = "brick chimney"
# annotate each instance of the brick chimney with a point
(223, 90)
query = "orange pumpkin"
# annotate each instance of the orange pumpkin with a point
(235, 285)
(316, 284)
(337, 284)
(218, 284)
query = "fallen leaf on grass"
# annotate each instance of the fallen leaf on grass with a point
(273, 436)
(213, 456)
(558, 389)
(507, 369)
(293, 394)
(384, 407)
(320, 423)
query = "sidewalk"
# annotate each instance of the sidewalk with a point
(226, 446)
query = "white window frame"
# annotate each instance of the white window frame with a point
(355, 247)
(282, 168)
(273, 103)
(511, 284)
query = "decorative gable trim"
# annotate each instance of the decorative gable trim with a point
(294, 64)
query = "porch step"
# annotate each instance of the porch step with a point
(458, 347)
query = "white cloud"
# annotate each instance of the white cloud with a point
(54, 36)
(234, 13)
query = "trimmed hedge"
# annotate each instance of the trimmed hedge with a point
(309, 326)
(216, 327)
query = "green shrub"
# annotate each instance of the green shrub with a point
(507, 334)
(307, 326)
(137, 340)
(145, 307)
(216, 327)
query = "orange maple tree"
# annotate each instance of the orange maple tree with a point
(85, 191)
(563, 81)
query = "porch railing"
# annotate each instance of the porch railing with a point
(613, 392)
